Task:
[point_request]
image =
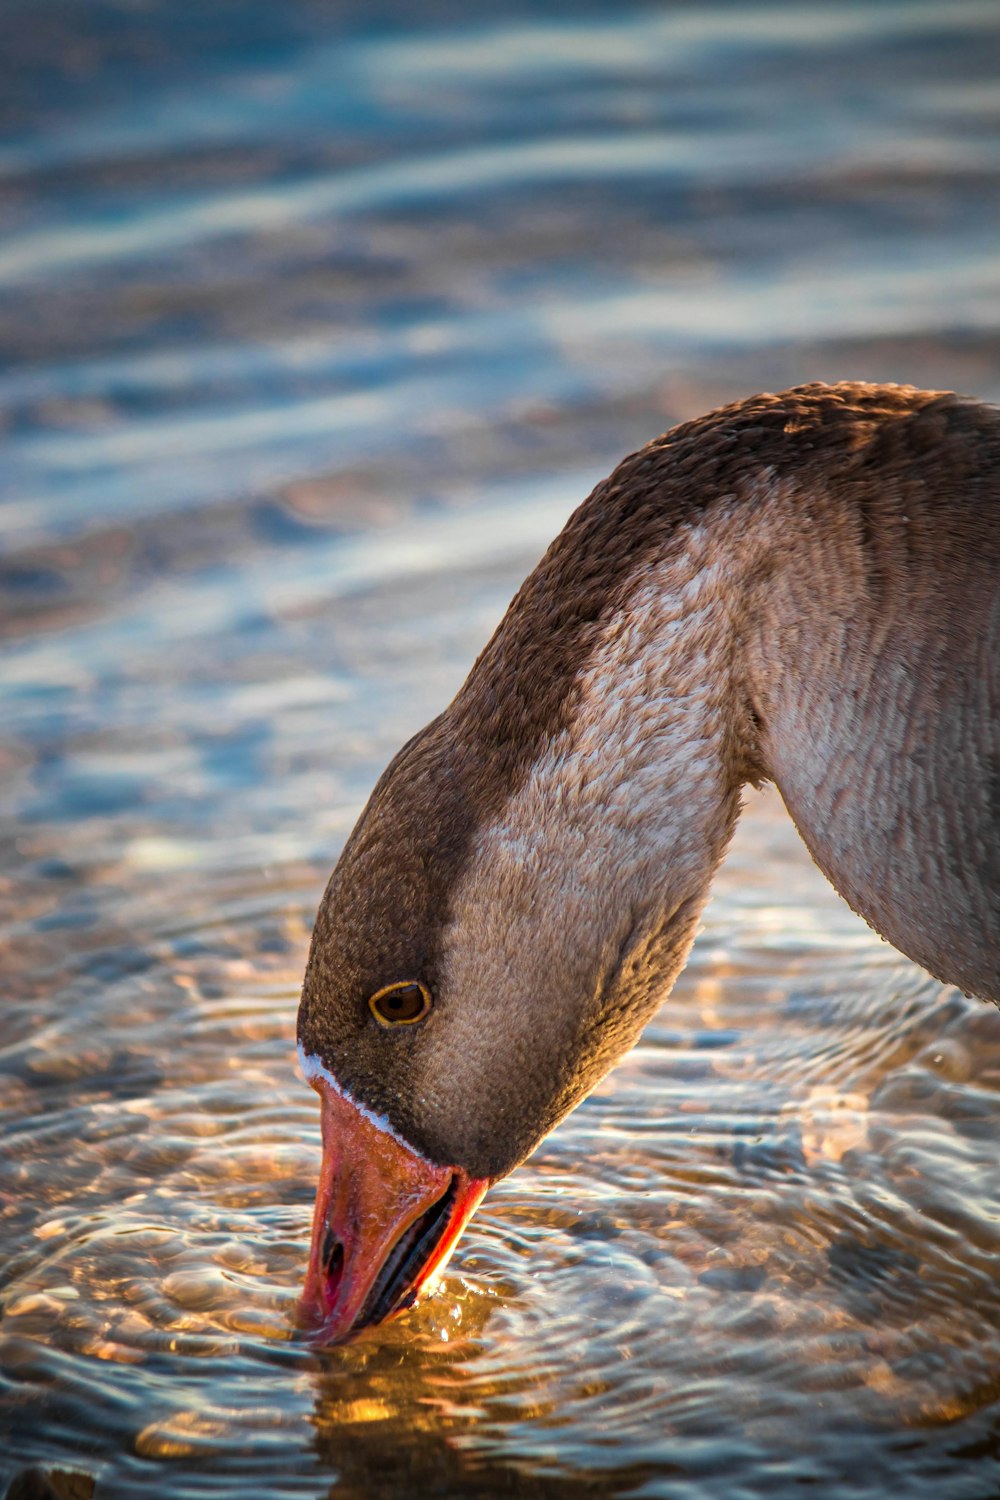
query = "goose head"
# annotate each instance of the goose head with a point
(467, 986)
(517, 897)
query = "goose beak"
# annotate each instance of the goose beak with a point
(385, 1225)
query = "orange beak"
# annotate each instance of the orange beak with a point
(386, 1221)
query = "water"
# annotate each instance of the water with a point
(316, 324)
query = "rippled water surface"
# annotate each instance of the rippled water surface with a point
(315, 324)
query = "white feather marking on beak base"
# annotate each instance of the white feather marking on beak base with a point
(313, 1067)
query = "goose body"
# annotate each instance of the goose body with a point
(803, 588)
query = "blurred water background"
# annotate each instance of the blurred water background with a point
(316, 320)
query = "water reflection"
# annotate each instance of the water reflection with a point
(314, 331)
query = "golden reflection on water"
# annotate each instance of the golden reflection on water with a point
(786, 1195)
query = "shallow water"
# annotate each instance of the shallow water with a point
(315, 326)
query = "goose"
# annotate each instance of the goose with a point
(800, 588)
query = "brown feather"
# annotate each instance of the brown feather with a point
(824, 568)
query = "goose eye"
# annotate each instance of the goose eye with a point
(400, 1004)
